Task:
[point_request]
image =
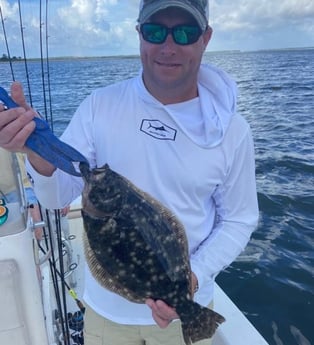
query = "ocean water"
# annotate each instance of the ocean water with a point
(272, 282)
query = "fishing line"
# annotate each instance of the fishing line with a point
(48, 70)
(45, 86)
(7, 45)
(60, 295)
(24, 55)
(61, 266)
(57, 273)
(53, 270)
(71, 291)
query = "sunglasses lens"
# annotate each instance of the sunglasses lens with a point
(154, 33)
(181, 34)
(186, 34)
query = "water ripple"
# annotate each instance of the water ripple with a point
(272, 281)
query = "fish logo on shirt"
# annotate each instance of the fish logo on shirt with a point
(158, 130)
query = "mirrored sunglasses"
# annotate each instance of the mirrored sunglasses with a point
(181, 34)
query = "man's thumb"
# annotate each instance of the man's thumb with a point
(18, 95)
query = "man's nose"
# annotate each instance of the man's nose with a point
(169, 45)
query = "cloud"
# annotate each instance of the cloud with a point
(249, 24)
(257, 13)
(11, 23)
(75, 27)
(104, 26)
(107, 27)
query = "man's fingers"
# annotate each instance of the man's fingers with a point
(161, 322)
(161, 312)
(16, 125)
(17, 94)
(2, 107)
(165, 311)
(17, 142)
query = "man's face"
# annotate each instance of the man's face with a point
(169, 67)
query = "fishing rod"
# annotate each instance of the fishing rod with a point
(23, 48)
(24, 55)
(7, 45)
(71, 291)
(43, 79)
(62, 273)
(57, 274)
(63, 316)
(59, 296)
(48, 69)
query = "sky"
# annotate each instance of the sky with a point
(107, 27)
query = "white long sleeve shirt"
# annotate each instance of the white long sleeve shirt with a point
(197, 158)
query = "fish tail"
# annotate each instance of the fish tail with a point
(198, 322)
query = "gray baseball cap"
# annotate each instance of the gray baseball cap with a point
(199, 9)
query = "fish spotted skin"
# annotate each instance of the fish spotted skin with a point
(136, 247)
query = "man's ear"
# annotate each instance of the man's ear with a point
(207, 35)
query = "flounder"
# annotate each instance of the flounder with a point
(137, 248)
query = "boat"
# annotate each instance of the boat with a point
(41, 282)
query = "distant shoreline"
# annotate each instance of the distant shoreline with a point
(62, 58)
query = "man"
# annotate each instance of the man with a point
(174, 132)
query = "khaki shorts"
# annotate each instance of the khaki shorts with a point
(100, 331)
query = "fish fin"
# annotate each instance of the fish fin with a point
(198, 322)
(104, 278)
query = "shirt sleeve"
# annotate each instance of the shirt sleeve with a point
(236, 216)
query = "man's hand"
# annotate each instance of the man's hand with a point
(18, 96)
(16, 124)
(161, 312)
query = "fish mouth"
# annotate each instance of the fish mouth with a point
(109, 206)
(90, 209)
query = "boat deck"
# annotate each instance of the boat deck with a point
(27, 293)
